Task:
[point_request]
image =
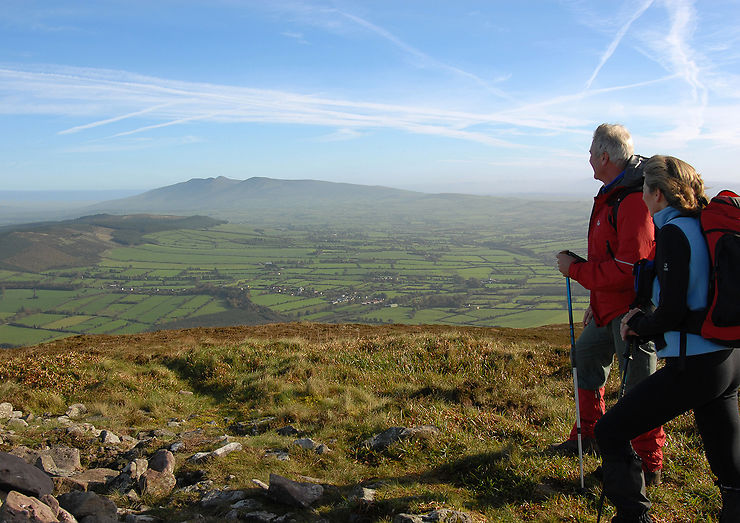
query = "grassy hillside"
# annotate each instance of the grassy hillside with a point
(498, 396)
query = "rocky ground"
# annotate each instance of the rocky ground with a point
(48, 483)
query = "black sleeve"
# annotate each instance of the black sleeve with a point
(672, 256)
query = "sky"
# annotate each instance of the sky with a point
(482, 97)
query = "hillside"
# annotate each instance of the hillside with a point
(36, 247)
(465, 414)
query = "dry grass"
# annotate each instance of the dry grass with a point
(499, 396)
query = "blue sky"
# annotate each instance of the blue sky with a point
(467, 96)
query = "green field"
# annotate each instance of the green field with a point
(453, 274)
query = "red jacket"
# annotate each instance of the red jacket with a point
(611, 254)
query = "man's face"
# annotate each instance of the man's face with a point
(597, 162)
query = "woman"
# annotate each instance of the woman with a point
(705, 380)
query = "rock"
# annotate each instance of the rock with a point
(156, 483)
(362, 495)
(222, 497)
(252, 427)
(109, 438)
(394, 434)
(141, 518)
(129, 476)
(306, 443)
(95, 479)
(186, 393)
(162, 461)
(261, 484)
(84, 504)
(19, 508)
(226, 449)
(257, 516)
(436, 516)
(177, 446)
(198, 457)
(59, 461)
(247, 504)
(16, 414)
(288, 430)
(65, 517)
(63, 485)
(286, 491)
(16, 423)
(384, 440)
(6, 410)
(322, 449)
(51, 502)
(76, 410)
(278, 454)
(16, 474)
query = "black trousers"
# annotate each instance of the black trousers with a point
(706, 384)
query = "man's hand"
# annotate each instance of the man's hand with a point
(588, 316)
(624, 329)
(564, 262)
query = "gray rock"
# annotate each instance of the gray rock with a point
(177, 446)
(394, 434)
(141, 518)
(156, 483)
(76, 410)
(109, 438)
(362, 495)
(288, 430)
(226, 449)
(222, 497)
(6, 410)
(261, 484)
(289, 492)
(278, 454)
(58, 461)
(95, 479)
(436, 516)
(162, 461)
(257, 516)
(385, 439)
(252, 427)
(16, 474)
(20, 508)
(198, 457)
(306, 443)
(322, 449)
(16, 423)
(86, 504)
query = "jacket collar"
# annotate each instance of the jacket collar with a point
(665, 215)
(611, 185)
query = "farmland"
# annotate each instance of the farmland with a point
(414, 274)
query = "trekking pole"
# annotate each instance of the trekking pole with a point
(631, 343)
(575, 381)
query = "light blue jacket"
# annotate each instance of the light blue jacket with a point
(699, 267)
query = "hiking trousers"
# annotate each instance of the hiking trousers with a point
(708, 385)
(593, 357)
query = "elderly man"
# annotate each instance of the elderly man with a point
(620, 233)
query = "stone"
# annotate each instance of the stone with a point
(109, 438)
(257, 516)
(362, 495)
(288, 430)
(6, 410)
(19, 508)
(63, 485)
(322, 449)
(261, 484)
(421, 432)
(84, 504)
(306, 443)
(65, 517)
(59, 461)
(16, 423)
(198, 457)
(51, 502)
(177, 446)
(76, 410)
(16, 474)
(251, 428)
(162, 461)
(226, 449)
(278, 454)
(215, 498)
(95, 479)
(289, 492)
(436, 516)
(384, 440)
(156, 483)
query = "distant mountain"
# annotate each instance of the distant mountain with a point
(225, 194)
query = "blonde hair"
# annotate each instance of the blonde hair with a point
(679, 182)
(615, 140)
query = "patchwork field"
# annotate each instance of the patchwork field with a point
(453, 275)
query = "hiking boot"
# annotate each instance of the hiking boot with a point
(570, 447)
(653, 477)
